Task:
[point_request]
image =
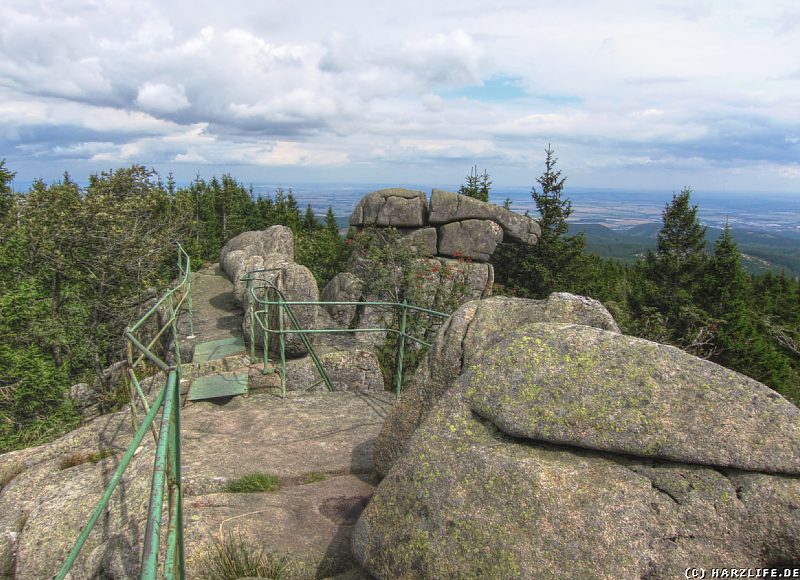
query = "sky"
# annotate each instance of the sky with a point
(629, 93)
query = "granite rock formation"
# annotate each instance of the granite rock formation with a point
(566, 450)
(269, 257)
(472, 329)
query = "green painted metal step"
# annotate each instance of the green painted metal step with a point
(217, 349)
(218, 385)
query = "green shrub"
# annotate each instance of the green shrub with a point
(233, 557)
(253, 483)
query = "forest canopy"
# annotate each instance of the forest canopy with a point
(77, 264)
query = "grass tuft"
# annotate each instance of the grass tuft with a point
(233, 557)
(253, 483)
(314, 476)
(81, 457)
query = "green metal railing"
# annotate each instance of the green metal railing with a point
(167, 465)
(259, 314)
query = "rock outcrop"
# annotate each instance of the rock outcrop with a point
(348, 370)
(344, 287)
(394, 207)
(269, 257)
(472, 329)
(565, 450)
(48, 492)
(454, 225)
(474, 239)
(237, 257)
(449, 207)
(452, 241)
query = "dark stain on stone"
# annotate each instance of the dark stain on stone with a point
(344, 510)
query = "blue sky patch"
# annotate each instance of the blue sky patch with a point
(504, 88)
(495, 89)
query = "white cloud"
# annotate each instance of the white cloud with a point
(190, 157)
(655, 86)
(161, 98)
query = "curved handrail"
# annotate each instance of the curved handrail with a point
(166, 470)
(286, 305)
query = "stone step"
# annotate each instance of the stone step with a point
(218, 385)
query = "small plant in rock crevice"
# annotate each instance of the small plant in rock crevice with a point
(233, 557)
(254, 482)
(82, 457)
(314, 476)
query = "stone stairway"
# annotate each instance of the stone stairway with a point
(319, 445)
(217, 337)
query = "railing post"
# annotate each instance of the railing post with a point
(152, 531)
(174, 325)
(174, 561)
(401, 348)
(251, 303)
(189, 300)
(282, 342)
(265, 332)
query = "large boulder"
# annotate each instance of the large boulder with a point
(297, 284)
(474, 239)
(447, 207)
(348, 370)
(251, 266)
(593, 389)
(421, 241)
(475, 279)
(232, 261)
(554, 456)
(397, 207)
(344, 287)
(469, 331)
(48, 492)
(273, 240)
(240, 243)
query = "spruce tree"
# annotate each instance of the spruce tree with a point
(673, 280)
(330, 223)
(727, 280)
(309, 220)
(738, 343)
(476, 186)
(556, 259)
(6, 195)
(679, 263)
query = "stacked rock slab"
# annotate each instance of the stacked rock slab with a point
(455, 233)
(457, 225)
(568, 450)
(269, 257)
(447, 207)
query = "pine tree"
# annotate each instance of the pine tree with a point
(673, 281)
(476, 186)
(309, 220)
(6, 195)
(554, 262)
(330, 223)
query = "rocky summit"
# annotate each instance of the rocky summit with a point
(568, 450)
(534, 441)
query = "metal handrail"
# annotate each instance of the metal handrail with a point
(167, 463)
(286, 306)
